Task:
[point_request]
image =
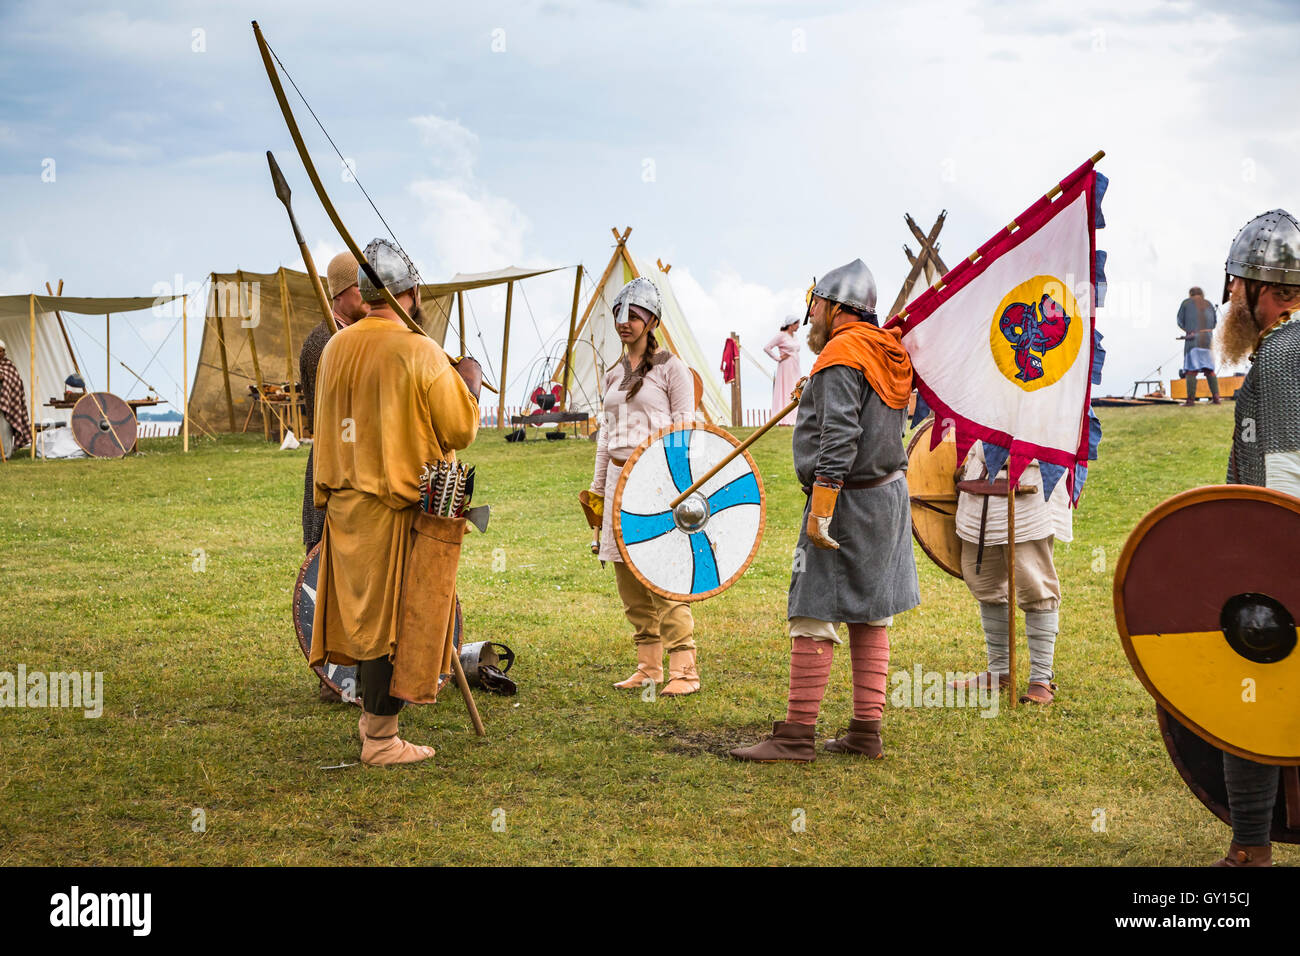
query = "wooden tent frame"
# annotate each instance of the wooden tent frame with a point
(620, 254)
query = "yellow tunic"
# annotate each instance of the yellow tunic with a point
(387, 401)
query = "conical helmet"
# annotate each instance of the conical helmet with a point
(1267, 249)
(391, 265)
(852, 285)
(642, 292)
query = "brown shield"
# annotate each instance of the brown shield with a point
(1211, 632)
(932, 487)
(103, 425)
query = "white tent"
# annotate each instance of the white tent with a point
(25, 319)
(596, 348)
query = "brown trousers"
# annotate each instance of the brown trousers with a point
(1037, 587)
(655, 618)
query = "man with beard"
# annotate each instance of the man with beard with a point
(341, 279)
(1263, 289)
(388, 402)
(1196, 319)
(853, 563)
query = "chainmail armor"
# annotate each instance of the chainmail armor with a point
(1267, 417)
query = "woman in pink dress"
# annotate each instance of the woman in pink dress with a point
(784, 351)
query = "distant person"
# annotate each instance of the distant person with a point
(390, 402)
(1196, 317)
(341, 279)
(784, 351)
(13, 402)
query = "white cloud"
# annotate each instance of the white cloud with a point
(452, 148)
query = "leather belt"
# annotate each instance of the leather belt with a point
(618, 461)
(860, 485)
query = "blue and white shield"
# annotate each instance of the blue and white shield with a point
(703, 546)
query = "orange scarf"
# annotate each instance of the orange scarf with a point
(876, 353)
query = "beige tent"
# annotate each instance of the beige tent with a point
(256, 323)
(594, 347)
(30, 329)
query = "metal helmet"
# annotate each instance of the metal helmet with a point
(642, 292)
(852, 285)
(392, 267)
(1267, 249)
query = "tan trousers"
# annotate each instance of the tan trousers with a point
(1037, 587)
(654, 618)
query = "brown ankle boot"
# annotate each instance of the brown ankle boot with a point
(793, 742)
(863, 737)
(649, 667)
(1239, 855)
(381, 747)
(683, 678)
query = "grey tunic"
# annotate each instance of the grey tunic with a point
(844, 431)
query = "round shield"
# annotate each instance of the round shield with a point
(103, 425)
(1206, 600)
(1201, 766)
(700, 548)
(341, 677)
(932, 488)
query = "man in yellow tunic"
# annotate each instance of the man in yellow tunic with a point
(388, 400)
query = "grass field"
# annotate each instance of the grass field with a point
(172, 574)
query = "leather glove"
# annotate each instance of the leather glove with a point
(472, 374)
(819, 517)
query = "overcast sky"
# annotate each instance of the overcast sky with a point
(751, 145)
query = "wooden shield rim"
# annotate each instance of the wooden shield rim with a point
(923, 430)
(458, 634)
(618, 498)
(1149, 520)
(119, 442)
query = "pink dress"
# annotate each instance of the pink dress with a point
(784, 350)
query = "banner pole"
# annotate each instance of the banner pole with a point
(1011, 590)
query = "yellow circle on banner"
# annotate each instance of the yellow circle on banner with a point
(1036, 332)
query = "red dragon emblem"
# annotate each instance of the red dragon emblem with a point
(1031, 329)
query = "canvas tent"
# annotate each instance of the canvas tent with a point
(27, 320)
(256, 322)
(595, 347)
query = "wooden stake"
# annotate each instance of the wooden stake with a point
(1011, 591)
(505, 355)
(737, 408)
(463, 683)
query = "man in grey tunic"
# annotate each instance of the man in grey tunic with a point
(854, 562)
(1196, 319)
(1262, 324)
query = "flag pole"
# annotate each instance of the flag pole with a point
(1011, 590)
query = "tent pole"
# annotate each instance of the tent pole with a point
(582, 323)
(737, 406)
(505, 354)
(217, 313)
(31, 418)
(573, 325)
(285, 308)
(260, 398)
(63, 328)
(108, 353)
(185, 364)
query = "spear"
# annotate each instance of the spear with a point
(283, 194)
